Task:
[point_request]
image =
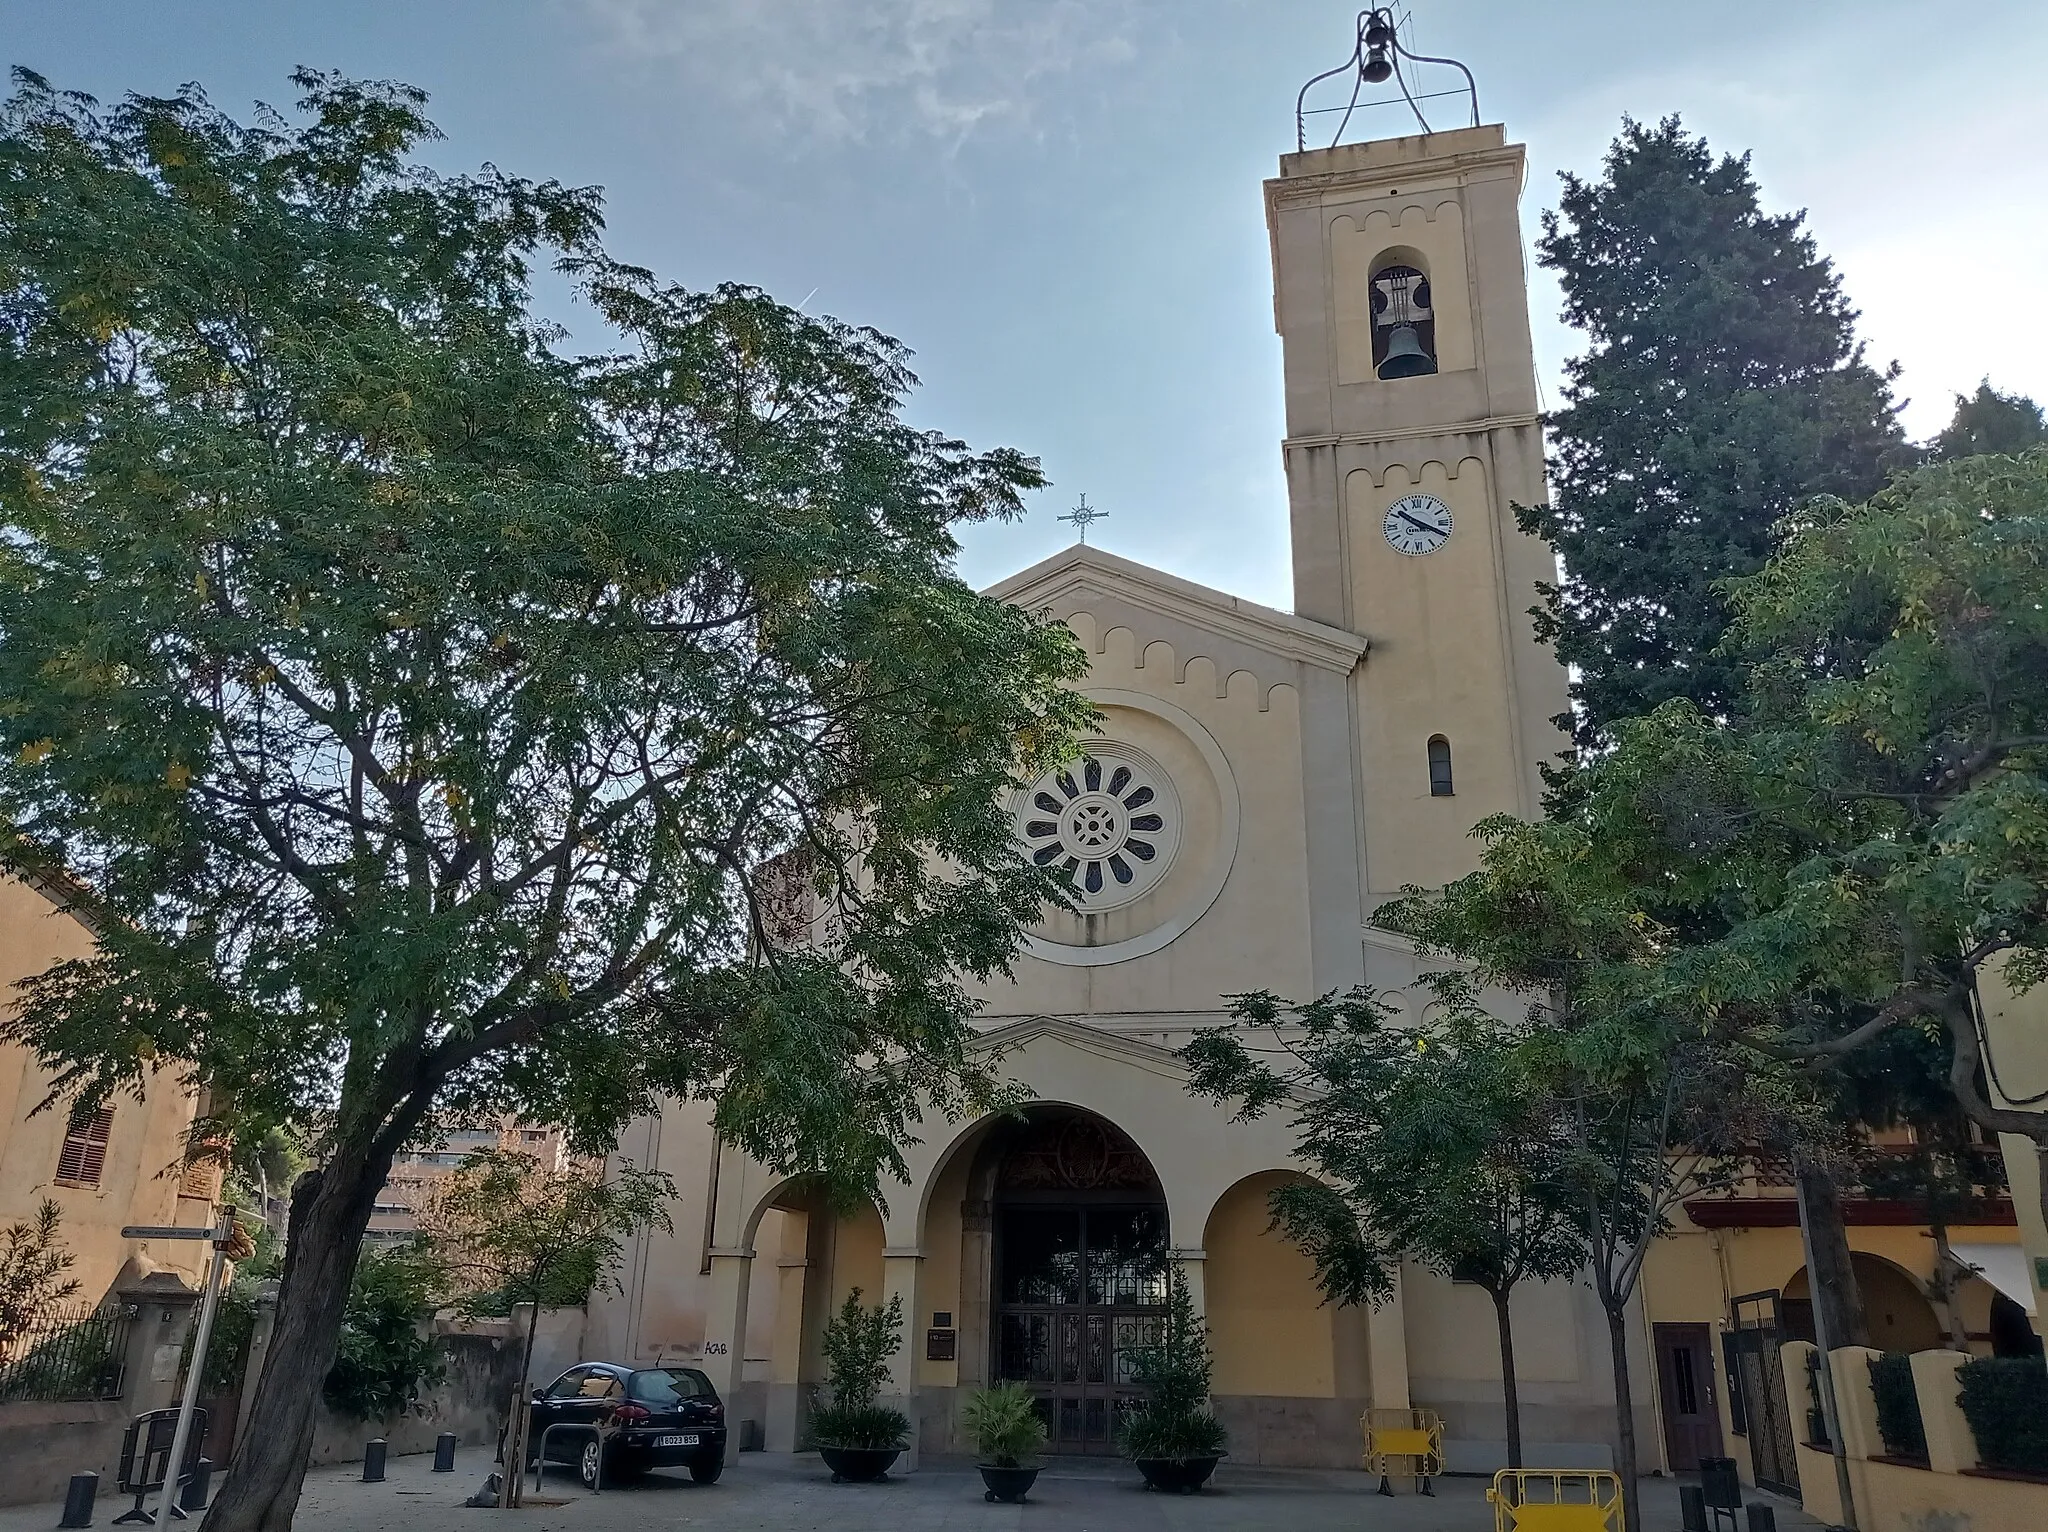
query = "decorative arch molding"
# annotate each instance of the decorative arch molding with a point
(1453, 469)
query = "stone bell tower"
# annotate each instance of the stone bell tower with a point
(1412, 432)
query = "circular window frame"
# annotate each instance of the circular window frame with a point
(1089, 803)
(1203, 896)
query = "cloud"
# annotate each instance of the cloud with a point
(872, 70)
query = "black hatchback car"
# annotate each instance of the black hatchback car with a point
(651, 1417)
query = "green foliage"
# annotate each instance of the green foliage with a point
(857, 1343)
(1005, 1424)
(860, 1427)
(383, 1364)
(1721, 386)
(1989, 421)
(33, 1261)
(1898, 1406)
(433, 720)
(504, 1231)
(1175, 1420)
(2005, 1401)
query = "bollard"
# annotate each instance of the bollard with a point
(1762, 1518)
(78, 1500)
(444, 1452)
(373, 1461)
(197, 1487)
(1692, 1508)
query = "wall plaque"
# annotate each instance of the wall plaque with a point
(939, 1345)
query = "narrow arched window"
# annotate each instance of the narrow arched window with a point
(1439, 767)
(1403, 323)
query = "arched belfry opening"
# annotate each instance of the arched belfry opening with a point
(1403, 319)
(1079, 1268)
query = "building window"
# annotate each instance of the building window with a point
(1439, 767)
(1403, 323)
(83, 1159)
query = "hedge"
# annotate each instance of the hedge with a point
(1898, 1406)
(2005, 1400)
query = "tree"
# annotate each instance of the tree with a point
(504, 1230)
(1175, 1420)
(1722, 385)
(1989, 421)
(382, 1364)
(1649, 1112)
(1428, 1143)
(33, 1261)
(858, 1342)
(417, 706)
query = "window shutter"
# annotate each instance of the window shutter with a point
(83, 1159)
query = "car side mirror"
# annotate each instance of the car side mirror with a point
(540, 1396)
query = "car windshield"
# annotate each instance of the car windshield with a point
(665, 1385)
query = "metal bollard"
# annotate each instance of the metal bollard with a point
(1762, 1518)
(373, 1461)
(1692, 1508)
(444, 1452)
(197, 1487)
(78, 1500)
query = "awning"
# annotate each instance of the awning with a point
(2003, 1266)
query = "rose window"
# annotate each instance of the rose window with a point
(1108, 822)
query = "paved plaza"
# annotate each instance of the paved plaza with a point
(796, 1495)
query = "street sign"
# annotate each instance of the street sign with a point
(164, 1231)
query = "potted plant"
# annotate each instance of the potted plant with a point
(857, 1437)
(1174, 1437)
(1006, 1428)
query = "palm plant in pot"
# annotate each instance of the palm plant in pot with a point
(858, 1437)
(1174, 1437)
(1007, 1429)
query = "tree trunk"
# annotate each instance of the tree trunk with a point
(1510, 1393)
(511, 1489)
(1944, 1289)
(1837, 1302)
(1624, 1415)
(330, 1210)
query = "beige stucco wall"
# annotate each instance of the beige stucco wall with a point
(145, 1150)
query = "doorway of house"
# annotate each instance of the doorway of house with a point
(1080, 1273)
(1685, 1378)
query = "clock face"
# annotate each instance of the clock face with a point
(1418, 524)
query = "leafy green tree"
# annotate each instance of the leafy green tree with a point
(504, 1230)
(424, 710)
(1722, 385)
(858, 1342)
(1428, 1142)
(383, 1365)
(1990, 421)
(33, 1261)
(1175, 1422)
(1648, 1111)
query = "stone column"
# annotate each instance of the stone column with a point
(1951, 1446)
(165, 1311)
(259, 1348)
(725, 1334)
(903, 1277)
(1387, 1337)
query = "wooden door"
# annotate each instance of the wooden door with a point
(1685, 1376)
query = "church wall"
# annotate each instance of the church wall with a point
(1268, 1325)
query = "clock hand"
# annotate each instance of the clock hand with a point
(1420, 526)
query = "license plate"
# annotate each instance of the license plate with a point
(675, 1441)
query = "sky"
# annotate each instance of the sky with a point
(1056, 203)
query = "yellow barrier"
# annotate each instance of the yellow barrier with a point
(1405, 1442)
(1556, 1500)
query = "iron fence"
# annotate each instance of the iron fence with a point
(67, 1354)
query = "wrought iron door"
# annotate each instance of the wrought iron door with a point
(1079, 1291)
(1757, 1376)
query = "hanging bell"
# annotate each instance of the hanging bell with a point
(1405, 357)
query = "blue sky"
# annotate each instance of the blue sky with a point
(1056, 202)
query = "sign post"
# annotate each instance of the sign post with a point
(224, 1234)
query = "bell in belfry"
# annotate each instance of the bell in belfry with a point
(1405, 357)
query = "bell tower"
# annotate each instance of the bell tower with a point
(1412, 432)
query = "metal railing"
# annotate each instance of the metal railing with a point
(67, 1354)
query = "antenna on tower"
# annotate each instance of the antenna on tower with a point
(1376, 56)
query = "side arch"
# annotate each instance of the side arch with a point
(1271, 1331)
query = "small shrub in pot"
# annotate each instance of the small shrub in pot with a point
(1174, 1437)
(857, 1437)
(1007, 1430)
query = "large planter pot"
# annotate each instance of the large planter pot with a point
(1010, 1484)
(1181, 1476)
(859, 1465)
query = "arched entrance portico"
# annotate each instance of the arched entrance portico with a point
(1080, 1246)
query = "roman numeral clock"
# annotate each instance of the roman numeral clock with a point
(1418, 524)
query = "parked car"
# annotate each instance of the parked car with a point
(654, 1417)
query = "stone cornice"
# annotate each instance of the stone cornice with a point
(1411, 433)
(1107, 1045)
(1422, 175)
(1080, 572)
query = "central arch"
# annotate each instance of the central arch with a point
(1079, 1271)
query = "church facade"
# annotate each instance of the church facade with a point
(1260, 781)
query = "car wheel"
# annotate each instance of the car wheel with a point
(588, 1465)
(706, 1473)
